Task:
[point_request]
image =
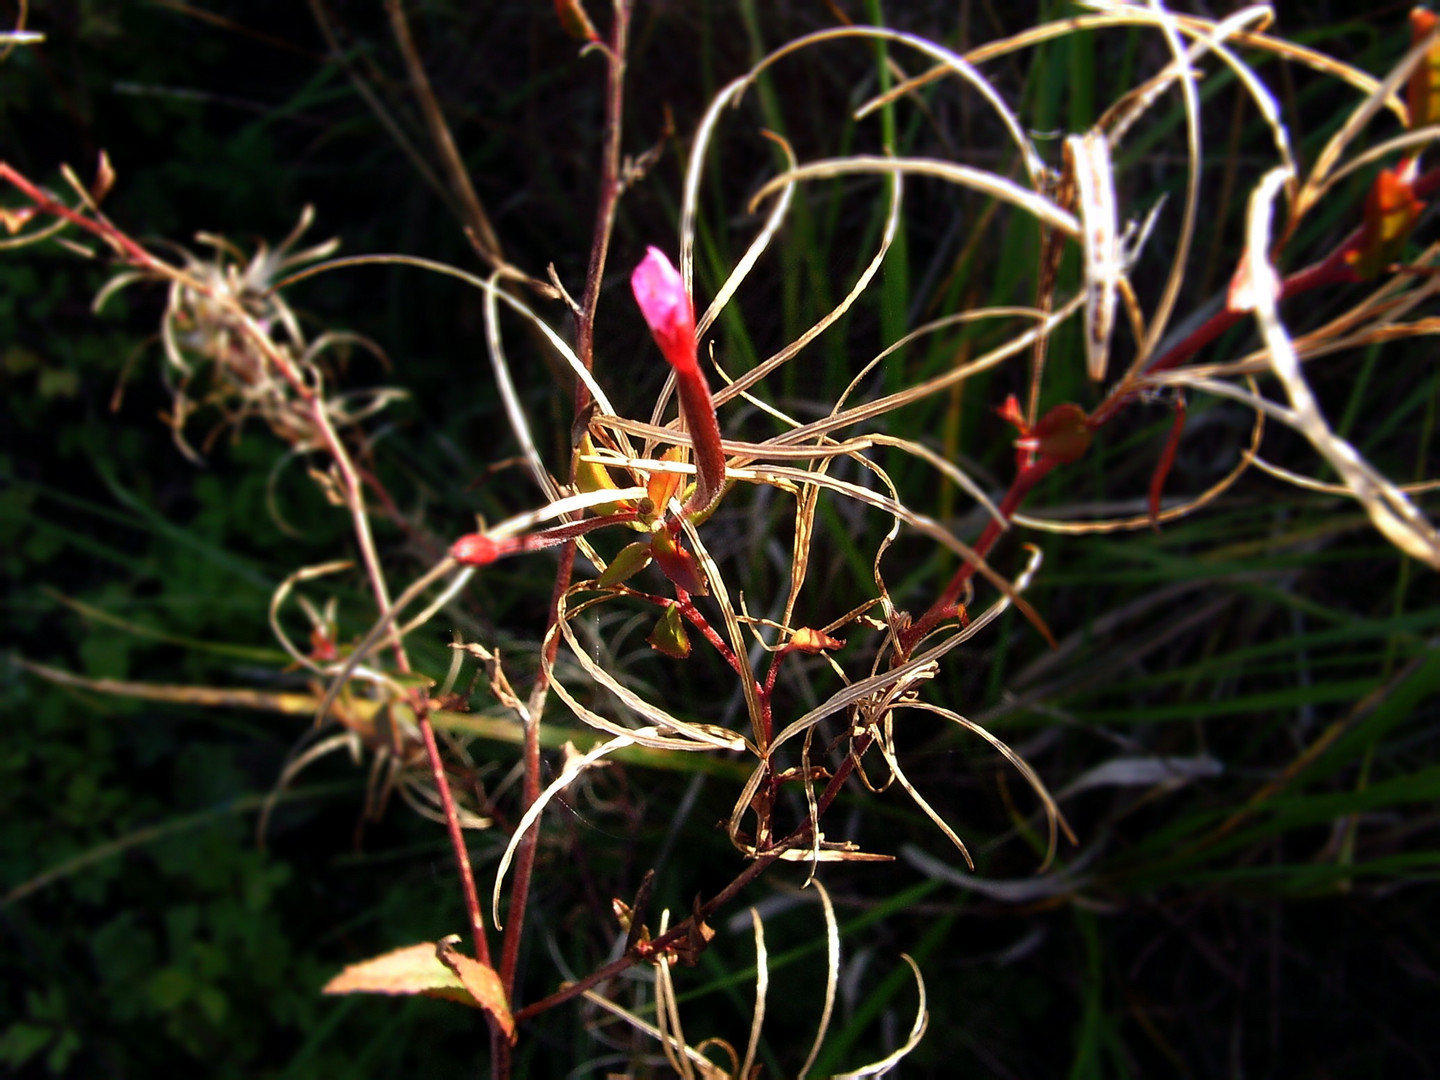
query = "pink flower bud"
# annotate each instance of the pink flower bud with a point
(666, 307)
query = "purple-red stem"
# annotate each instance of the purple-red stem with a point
(691, 614)
(1335, 268)
(705, 910)
(1332, 269)
(139, 257)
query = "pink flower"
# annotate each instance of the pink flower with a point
(666, 307)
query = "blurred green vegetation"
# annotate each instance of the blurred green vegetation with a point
(1274, 916)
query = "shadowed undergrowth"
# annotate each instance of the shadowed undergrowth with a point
(996, 629)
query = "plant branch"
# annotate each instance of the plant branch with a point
(609, 193)
(525, 854)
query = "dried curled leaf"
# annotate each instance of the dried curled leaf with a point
(807, 640)
(664, 486)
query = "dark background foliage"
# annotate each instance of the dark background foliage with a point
(1272, 632)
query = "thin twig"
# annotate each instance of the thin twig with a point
(609, 193)
(476, 220)
(457, 836)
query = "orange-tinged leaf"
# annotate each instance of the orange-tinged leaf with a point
(414, 969)
(677, 563)
(482, 982)
(662, 486)
(1423, 92)
(574, 21)
(1010, 412)
(1391, 211)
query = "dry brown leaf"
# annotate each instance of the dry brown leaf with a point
(813, 641)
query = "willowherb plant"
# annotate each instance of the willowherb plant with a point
(646, 511)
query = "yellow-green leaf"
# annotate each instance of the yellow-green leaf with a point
(669, 635)
(629, 561)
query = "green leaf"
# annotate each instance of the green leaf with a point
(22, 1041)
(63, 1050)
(630, 561)
(669, 635)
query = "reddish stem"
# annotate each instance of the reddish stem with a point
(137, 256)
(128, 249)
(457, 837)
(525, 854)
(609, 194)
(692, 615)
(945, 607)
(652, 948)
(1167, 459)
(699, 411)
(1334, 269)
(677, 934)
